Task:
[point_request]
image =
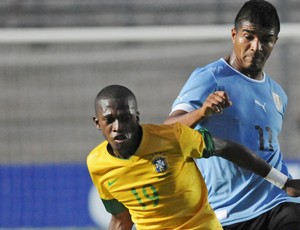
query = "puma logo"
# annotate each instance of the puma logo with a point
(261, 105)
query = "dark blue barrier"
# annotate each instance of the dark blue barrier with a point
(53, 195)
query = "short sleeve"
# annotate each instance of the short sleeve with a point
(193, 94)
(191, 142)
(113, 206)
(209, 143)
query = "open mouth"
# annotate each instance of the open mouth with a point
(120, 138)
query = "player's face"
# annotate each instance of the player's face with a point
(118, 120)
(253, 45)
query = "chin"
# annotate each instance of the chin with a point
(255, 67)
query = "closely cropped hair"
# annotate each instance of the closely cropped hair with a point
(258, 12)
(113, 91)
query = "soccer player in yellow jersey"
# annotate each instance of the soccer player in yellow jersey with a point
(146, 175)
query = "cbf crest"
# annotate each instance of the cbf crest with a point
(277, 101)
(160, 163)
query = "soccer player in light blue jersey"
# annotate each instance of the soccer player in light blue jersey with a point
(242, 200)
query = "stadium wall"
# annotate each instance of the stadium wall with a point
(55, 196)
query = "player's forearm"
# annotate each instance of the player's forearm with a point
(190, 119)
(247, 159)
(242, 156)
(118, 226)
(121, 221)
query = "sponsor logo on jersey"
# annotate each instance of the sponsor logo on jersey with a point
(160, 163)
(277, 101)
(263, 106)
(110, 183)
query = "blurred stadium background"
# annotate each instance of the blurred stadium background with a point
(48, 83)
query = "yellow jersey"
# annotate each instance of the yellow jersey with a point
(160, 184)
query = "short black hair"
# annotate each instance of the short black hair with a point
(258, 12)
(113, 91)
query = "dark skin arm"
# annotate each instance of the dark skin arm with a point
(245, 158)
(241, 156)
(214, 104)
(292, 187)
(121, 221)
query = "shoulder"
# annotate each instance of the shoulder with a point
(210, 74)
(162, 127)
(165, 130)
(159, 129)
(95, 155)
(211, 67)
(276, 87)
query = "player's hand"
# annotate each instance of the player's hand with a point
(215, 103)
(292, 187)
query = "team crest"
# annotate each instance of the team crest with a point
(277, 101)
(160, 163)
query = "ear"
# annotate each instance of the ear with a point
(96, 122)
(138, 116)
(233, 34)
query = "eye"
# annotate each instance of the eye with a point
(248, 36)
(108, 120)
(126, 117)
(266, 40)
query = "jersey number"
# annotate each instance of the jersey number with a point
(261, 137)
(149, 192)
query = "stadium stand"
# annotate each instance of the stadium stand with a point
(74, 13)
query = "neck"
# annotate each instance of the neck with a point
(253, 74)
(117, 154)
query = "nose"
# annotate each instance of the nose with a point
(256, 44)
(117, 125)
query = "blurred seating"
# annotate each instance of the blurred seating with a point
(74, 13)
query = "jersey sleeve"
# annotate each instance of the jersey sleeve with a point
(113, 206)
(209, 143)
(196, 143)
(193, 94)
(93, 164)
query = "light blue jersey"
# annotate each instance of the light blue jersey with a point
(254, 120)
